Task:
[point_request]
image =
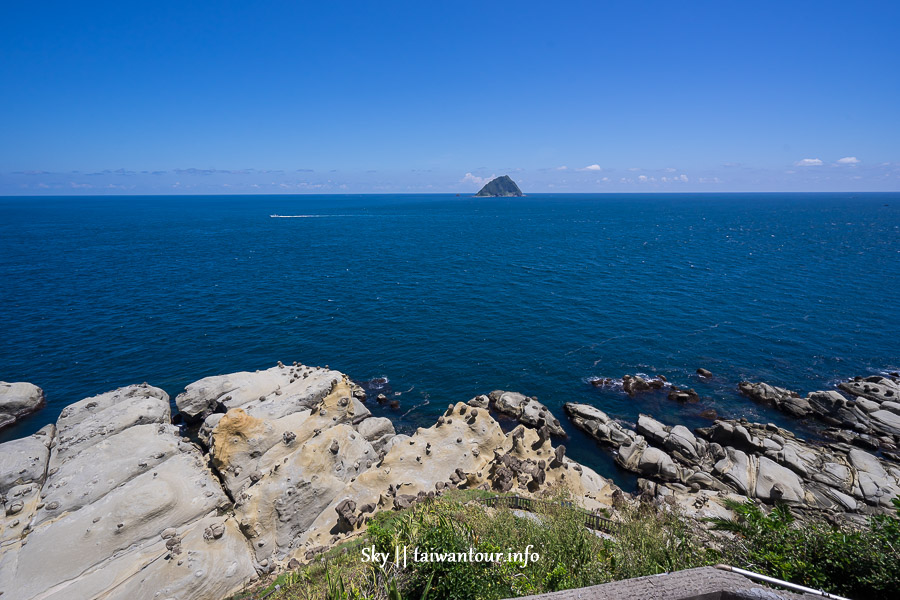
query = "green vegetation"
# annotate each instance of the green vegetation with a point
(862, 563)
(858, 563)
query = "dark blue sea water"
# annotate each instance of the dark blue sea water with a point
(450, 297)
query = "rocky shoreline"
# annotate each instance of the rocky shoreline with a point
(285, 462)
(855, 474)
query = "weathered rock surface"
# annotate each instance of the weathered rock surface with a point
(750, 459)
(465, 448)
(598, 424)
(295, 387)
(24, 461)
(284, 472)
(17, 400)
(377, 430)
(303, 472)
(105, 484)
(870, 420)
(782, 399)
(481, 401)
(114, 501)
(876, 388)
(527, 410)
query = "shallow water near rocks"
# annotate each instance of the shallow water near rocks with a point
(451, 297)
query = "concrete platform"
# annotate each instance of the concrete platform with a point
(704, 583)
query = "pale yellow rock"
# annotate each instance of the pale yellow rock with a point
(463, 441)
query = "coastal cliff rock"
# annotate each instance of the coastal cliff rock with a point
(23, 470)
(284, 472)
(305, 476)
(782, 399)
(598, 424)
(295, 387)
(115, 479)
(290, 461)
(113, 500)
(750, 459)
(17, 400)
(501, 186)
(465, 448)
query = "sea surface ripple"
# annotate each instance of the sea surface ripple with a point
(451, 297)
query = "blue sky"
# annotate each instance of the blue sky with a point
(349, 97)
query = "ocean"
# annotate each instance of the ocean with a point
(448, 297)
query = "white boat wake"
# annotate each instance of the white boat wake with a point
(312, 216)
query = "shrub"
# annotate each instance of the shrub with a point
(649, 541)
(856, 562)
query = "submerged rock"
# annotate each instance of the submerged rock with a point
(683, 395)
(633, 384)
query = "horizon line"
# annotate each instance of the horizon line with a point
(454, 194)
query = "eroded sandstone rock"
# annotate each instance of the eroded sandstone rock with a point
(465, 448)
(119, 477)
(272, 393)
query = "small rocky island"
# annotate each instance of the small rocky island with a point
(500, 187)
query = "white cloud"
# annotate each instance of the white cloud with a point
(682, 177)
(848, 160)
(469, 178)
(642, 178)
(592, 168)
(809, 162)
(669, 170)
(562, 168)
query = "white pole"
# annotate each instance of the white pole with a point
(786, 584)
